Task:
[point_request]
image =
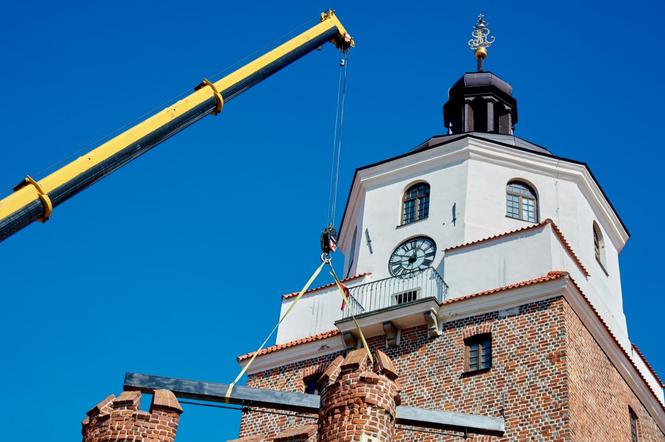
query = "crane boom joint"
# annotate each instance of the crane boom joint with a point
(218, 96)
(43, 196)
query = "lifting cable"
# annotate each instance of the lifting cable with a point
(337, 137)
(329, 236)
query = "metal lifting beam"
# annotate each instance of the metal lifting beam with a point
(34, 200)
(308, 403)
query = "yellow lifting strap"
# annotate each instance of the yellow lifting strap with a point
(342, 293)
(256, 353)
(43, 197)
(218, 96)
(295, 301)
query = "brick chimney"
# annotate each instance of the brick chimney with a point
(119, 418)
(358, 401)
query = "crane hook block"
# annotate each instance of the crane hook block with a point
(329, 240)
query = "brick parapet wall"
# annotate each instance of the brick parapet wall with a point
(530, 383)
(358, 400)
(119, 419)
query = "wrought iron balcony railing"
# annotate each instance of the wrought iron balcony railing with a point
(395, 291)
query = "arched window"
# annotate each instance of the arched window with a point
(415, 204)
(521, 202)
(598, 244)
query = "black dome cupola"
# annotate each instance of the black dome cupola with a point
(480, 101)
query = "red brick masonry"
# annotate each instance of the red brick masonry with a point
(358, 400)
(119, 419)
(549, 379)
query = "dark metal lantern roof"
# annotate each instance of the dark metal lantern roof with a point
(478, 80)
(480, 102)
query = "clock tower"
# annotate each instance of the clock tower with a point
(487, 267)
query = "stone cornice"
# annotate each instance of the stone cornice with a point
(461, 149)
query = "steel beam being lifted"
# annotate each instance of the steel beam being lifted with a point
(308, 403)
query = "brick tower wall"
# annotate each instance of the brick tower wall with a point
(599, 397)
(119, 419)
(534, 384)
(358, 400)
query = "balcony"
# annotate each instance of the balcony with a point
(409, 288)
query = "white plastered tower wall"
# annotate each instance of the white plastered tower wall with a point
(568, 195)
(470, 174)
(381, 190)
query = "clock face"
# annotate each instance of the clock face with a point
(413, 254)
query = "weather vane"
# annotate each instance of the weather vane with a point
(481, 40)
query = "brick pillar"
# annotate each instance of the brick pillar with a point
(358, 401)
(119, 419)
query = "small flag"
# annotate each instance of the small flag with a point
(332, 243)
(347, 295)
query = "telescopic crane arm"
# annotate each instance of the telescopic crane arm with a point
(34, 200)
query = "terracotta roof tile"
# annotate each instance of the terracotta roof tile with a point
(568, 247)
(555, 229)
(653, 372)
(315, 289)
(551, 276)
(305, 340)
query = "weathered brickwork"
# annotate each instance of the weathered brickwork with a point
(287, 378)
(598, 393)
(119, 419)
(358, 399)
(533, 383)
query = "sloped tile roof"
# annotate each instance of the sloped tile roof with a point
(551, 276)
(305, 340)
(653, 372)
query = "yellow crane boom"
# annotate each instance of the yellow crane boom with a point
(34, 200)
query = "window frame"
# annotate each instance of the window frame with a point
(479, 340)
(634, 425)
(352, 252)
(599, 251)
(417, 203)
(520, 201)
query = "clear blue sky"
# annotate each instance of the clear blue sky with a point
(175, 264)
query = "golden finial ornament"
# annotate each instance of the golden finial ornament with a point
(481, 40)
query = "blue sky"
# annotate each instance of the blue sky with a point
(175, 264)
